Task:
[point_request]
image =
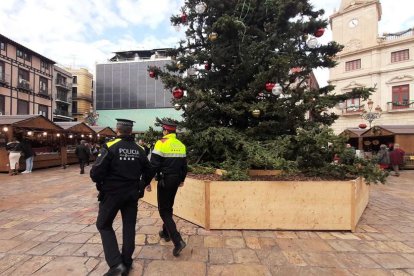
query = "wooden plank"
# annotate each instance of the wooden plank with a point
(316, 205)
(361, 199)
(207, 205)
(189, 202)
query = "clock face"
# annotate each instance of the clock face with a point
(353, 23)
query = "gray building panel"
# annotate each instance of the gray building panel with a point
(126, 85)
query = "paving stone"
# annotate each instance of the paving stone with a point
(321, 259)
(65, 266)
(64, 249)
(77, 237)
(286, 235)
(252, 242)
(153, 239)
(220, 256)
(7, 245)
(314, 246)
(268, 243)
(213, 241)
(238, 269)
(175, 268)
(140, 239)
(341, 245)
(294, 258)
(6, 234)
(399, 272)
(369, 272)
(42, 248)
(152, 252)
(89, 250)
(357, 260)
(271, 257)
(10, 260)
(30, 266)
(148, 229)
(391, 261)
(195, 241)
(245, 256)
(234, 242)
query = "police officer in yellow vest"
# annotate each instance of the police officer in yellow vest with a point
(121, 173)
(169, 160)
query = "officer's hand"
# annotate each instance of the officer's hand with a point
(181, 184)
(148, 188)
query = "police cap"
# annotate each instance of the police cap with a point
(168, 125)
(125, 122)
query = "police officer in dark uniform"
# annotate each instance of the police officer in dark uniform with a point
(121, 173)
(169, 161)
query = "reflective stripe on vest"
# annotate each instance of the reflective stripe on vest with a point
(170, 146)
(111, 143)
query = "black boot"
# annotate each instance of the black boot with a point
(117, 270)
(178, 248)
(164, 236)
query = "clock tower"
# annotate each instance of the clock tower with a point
(355, 25)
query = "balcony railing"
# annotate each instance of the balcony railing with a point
(24, 85)
(402, 34)
(82, 97)
(63, 97)
(63, 84)
(62, 112)
(404, 105)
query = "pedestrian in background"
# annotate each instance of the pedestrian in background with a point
(383, 157)
(82, 152)
(169, 161)
(118, 171)
(14, 149)
(397, 159)
(28, 154)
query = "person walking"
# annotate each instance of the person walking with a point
(15, 151)
(397, 159)
(82, 152)
(383, 157)
(169, 161)
(121, 173)
(28, 154)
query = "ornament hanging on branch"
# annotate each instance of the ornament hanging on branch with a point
(178, 93)
(184, 18)
(201, 8)
(269, 86)
(312, 43)
(152, 74)
(256, 113)
(319, 32)
(277, 90)
(177, 106)
(213, 36)
(207, 66)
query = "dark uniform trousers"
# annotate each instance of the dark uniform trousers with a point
(108, 208)
(167, 189)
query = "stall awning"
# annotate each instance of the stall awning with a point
(353, 132)
(388, 130)
(76, 127)
(105, 131)
(29, 122)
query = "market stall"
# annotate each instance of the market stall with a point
(74, 133)
(354, 137)
(391, 134)
(43, 135)
(103, 133)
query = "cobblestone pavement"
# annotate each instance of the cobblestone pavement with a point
(47, 227)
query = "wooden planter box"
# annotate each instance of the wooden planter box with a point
(287, 205)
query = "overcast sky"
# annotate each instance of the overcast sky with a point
(83, 32)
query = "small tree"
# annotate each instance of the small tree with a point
(243, 105)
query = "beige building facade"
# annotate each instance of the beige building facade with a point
(368, 59)
(26, 80)
(82, 93)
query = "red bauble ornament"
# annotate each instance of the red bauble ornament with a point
(183, 18)
(363, 126)
(207, 66)
(178, 93)
(152, 74)
(319, 32)
(269, 86)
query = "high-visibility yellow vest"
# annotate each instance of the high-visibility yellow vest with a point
(170, 146)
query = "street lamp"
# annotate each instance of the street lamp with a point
(370, 115)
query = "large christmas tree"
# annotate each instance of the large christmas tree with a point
(240, 78)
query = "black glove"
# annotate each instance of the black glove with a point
(141, 188)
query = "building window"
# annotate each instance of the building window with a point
(44, 65)
(23, 55)
(353, 65)
(22, 107)
(2, 105)
(75, 79)
(2, 46)
(2, 72)
(353, 105)
(74, 92)
(74, 107)
(400, 55)
(401, 96)
(43, 85)
(43, 110)
(23, 79)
